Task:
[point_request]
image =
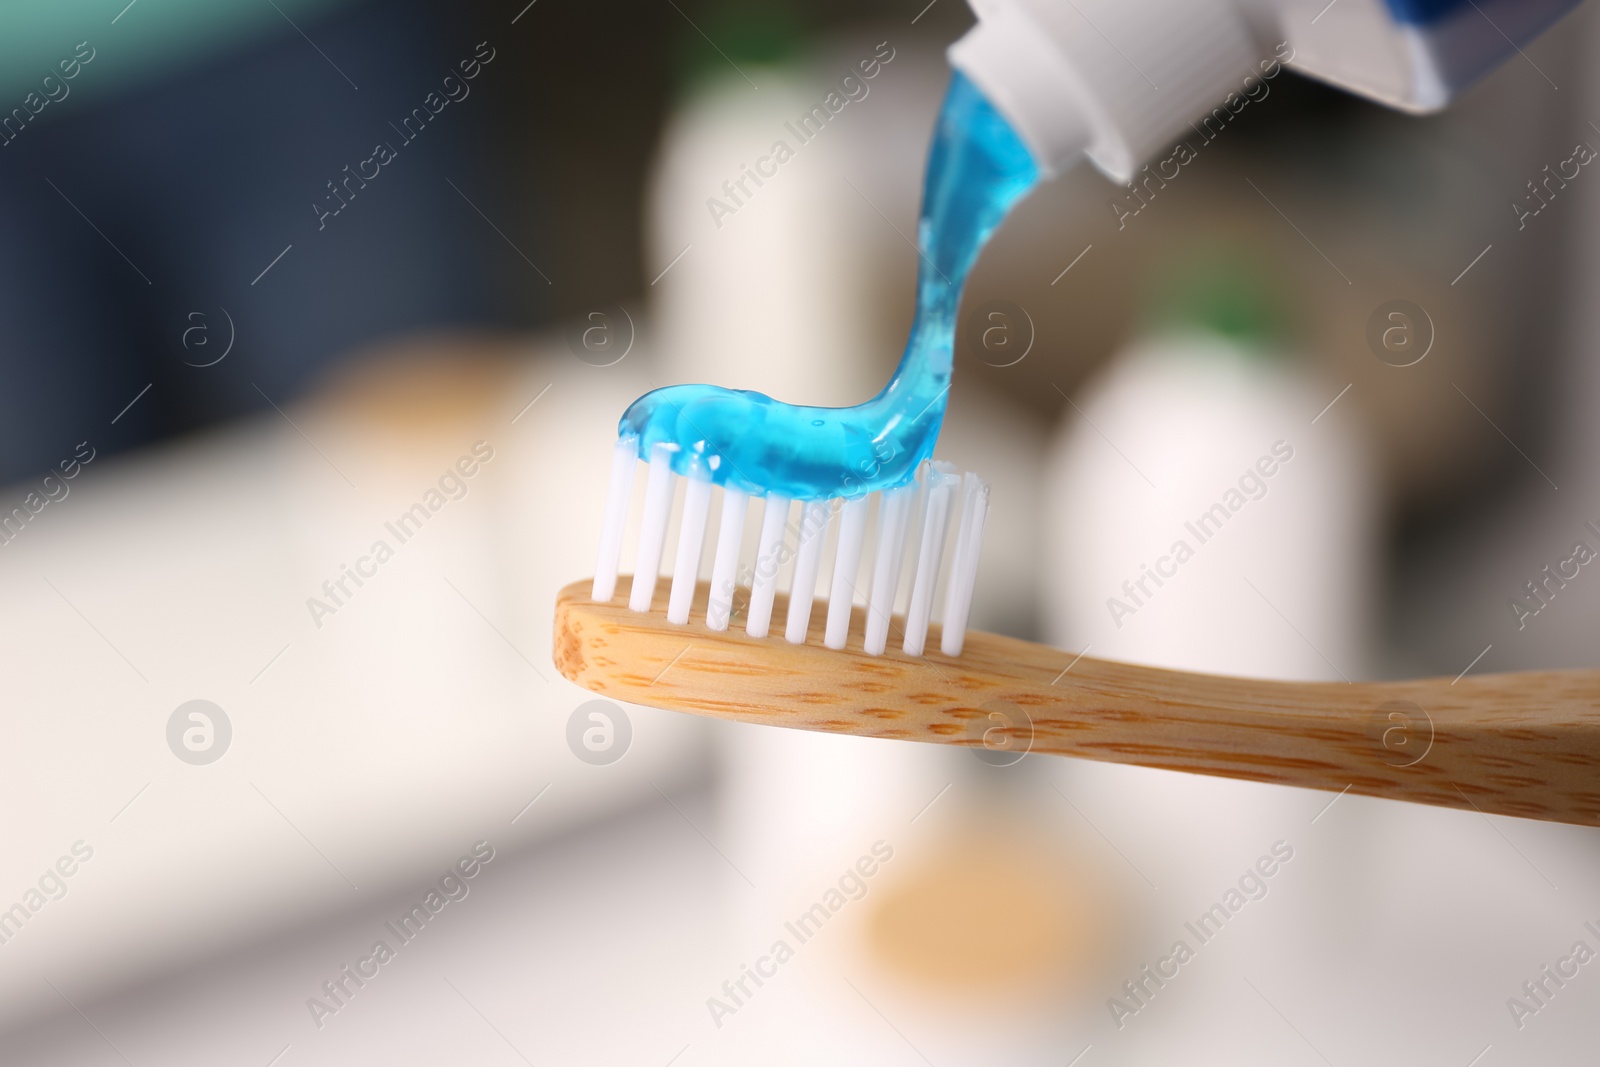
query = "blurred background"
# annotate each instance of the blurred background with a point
(273, 276)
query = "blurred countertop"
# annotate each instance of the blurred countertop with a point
(367, 745)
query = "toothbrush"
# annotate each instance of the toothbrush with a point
(1522, 745)
(1509, 744)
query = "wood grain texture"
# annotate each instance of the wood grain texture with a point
(1511, 744)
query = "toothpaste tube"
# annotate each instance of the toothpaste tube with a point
(1119, 80)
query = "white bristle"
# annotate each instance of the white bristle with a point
(691, 536)
(916, 517)
(764, 586)
(807, 561)
(893, 511)
(846, 561)
(652, 528)
(724, 568)
(941, 485)
(624, 460)
(964, 565)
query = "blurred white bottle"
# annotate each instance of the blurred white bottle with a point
(1205, 512)
(765, 283)
(1208, 510)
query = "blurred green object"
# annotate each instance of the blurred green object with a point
(736, 35)
(1221, 289)
(144, 41)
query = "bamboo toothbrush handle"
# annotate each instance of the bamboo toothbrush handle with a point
(1511, 744)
